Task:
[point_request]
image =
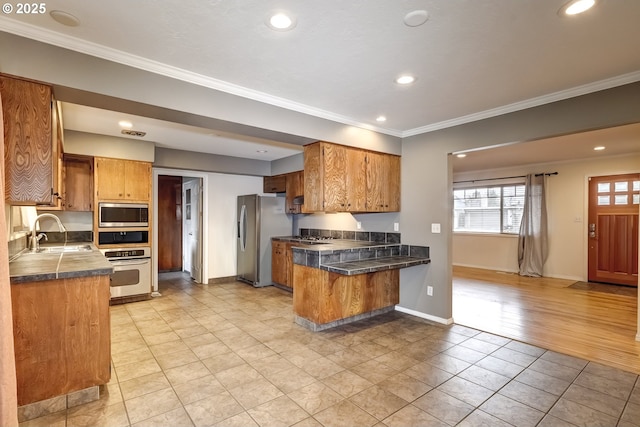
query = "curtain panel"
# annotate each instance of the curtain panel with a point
(532, 239)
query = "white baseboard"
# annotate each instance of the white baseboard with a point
(424, 315)
(501, 270)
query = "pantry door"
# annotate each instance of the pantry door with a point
(613, 229)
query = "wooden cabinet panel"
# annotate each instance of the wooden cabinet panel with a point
(313, 179)
(334, 164)
(118, 179)
(281, 263)
(324, 297)
(294, 188)
(338, 178)
(62, 336)
(383, 182)
(274, 184)
(78, 183)
(137, 184)
(109, 178)
(355, 180)
(30, 155)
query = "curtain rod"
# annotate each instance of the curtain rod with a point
(505, 177)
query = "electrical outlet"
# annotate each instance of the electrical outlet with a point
(358, 225)
(430, 291)
(396, 226)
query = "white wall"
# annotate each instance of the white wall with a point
(567, 210)
(219, 223)
(223, 193)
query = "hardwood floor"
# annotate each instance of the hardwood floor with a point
(596, 326)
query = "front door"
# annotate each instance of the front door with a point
(613, 229)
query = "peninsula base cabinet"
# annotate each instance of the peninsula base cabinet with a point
(281, 263)
(62, 336)
(324, 298)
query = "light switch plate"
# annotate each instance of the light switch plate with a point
(435, 228)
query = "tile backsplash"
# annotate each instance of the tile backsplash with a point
(369, 236)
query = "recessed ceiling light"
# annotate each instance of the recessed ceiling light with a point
(64, 18)
(575, 7)
(599, 148)
(405, 79)
(381, 119)
(125, 124)
(461, 155)
(416, 18)
(281, 22)
(261, 151)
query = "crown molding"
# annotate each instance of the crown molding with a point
(78, 45)
(120, 57)
(529, 103)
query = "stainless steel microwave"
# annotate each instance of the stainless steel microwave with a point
(123, 215)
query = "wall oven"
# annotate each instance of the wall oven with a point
(123, 215)
(131, 271)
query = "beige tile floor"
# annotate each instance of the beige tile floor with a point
(230, 355)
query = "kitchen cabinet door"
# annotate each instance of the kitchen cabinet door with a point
(313, 179)
(281, 263)
(119, 180)
(274, 184)
(383, 182)
(355, 180)
(294, 188)
(137, 184)
(78, 183)
(30, 153)
(334, 168)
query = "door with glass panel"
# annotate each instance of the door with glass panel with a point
(614, 203)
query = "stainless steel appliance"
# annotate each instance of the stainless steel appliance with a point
(259, 218)
(131, 271)
(123, 215)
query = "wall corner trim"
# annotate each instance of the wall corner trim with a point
(426, 316)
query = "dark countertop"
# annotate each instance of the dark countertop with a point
(351, 257)
(35, 267)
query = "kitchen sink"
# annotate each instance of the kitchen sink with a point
(65, 248)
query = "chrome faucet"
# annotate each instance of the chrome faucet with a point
(35, 239)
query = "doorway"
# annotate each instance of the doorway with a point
(613, 229)
(192, 227)
(179, 243)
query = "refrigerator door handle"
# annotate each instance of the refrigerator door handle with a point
(242, 228)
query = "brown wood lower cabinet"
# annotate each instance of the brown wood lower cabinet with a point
(281, 263)
(323, 297)
(62, 336)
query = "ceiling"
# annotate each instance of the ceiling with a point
(472, 59)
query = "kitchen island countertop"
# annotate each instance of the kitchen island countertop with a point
(351, 257)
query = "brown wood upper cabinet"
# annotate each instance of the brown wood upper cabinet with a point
(274, 184)
(291, 183)
(345, 179)
(118, 180)
(30, 141)
(78, 183)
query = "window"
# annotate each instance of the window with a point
(494, 209)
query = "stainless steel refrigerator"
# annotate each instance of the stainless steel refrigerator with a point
(259, 219)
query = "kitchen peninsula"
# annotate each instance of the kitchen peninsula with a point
(340, 281)
(60, 298)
